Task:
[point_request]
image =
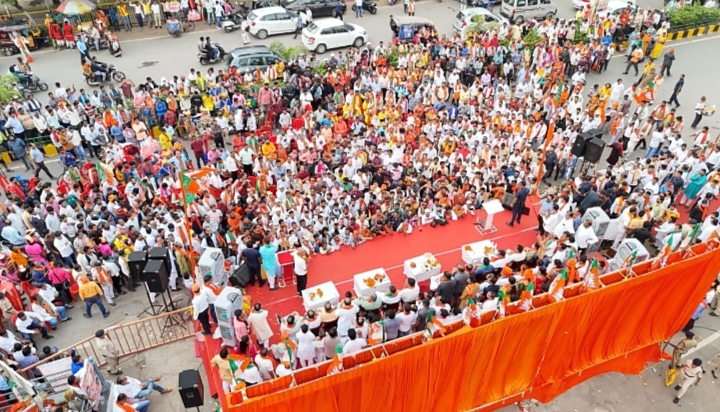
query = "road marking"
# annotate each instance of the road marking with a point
(707, 341)
(400, 266)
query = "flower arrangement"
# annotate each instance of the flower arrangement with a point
(413, 265)
(468, 248)
(370, 282)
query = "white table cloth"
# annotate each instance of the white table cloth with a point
(362, 289)
(477, 251)
(422, 270)
(329, 294)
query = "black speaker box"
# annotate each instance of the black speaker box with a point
(240, 277)
(594, 150)
(580, 144)
(136, 262)
(156, 276)
(595, 133)
(190, 386)
(163, 254)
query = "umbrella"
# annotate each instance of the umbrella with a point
(75, 7)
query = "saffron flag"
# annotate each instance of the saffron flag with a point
(503, 299)
(471, 317)
(630, 260)
(661, 258)
(190, 185)
(558, 286)
(336, 365)
(526, 297)
(646, 94)
(592, 279)
(105, 173)
(376, 334)
(433, 325)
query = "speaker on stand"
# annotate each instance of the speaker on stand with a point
(593, 151)
(580, 144)
(191, 389)
(156, 280)
(136, 263)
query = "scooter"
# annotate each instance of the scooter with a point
(232, 21)
(369, 6)
(204, 59)
(31, 84)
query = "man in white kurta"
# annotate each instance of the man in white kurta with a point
(305, 348)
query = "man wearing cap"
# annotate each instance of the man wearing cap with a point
(683, 347)
(691, 372)
(109, 351)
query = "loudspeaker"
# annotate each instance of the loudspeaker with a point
(595, 133)
(190, 386)
(594, 150)
(136, 262)
(163, 254)
(240, 277)
(580, 144)
(156, 276)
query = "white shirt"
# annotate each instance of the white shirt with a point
(410, 294)
(406, 320)
(353, 346)
(346, 318)
(585, 235)
(265, 367)
(131, 388)
(200, 303)
(8, 344)
(22, 325)
(300, 265)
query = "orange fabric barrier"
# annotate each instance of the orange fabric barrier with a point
(541, 353)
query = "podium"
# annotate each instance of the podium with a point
(491, 208)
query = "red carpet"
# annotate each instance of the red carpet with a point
(390, 252)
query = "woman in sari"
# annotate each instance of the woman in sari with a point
(35, 251)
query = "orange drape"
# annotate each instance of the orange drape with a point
(538, 354)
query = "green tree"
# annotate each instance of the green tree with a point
(7, 91)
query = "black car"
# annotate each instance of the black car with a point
(318, 8)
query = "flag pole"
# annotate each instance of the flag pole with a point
(188, 228)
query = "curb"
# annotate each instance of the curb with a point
(697, 31)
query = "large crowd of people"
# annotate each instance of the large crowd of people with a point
(295, 160)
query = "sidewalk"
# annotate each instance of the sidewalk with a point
(150, 33)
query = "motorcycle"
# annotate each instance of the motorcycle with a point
(232, 21)
(111, 74)
(259, 4)
(392, 2)
(368, 6)
(204, 59)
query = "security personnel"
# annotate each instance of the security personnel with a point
(683, 347)
(691, 373)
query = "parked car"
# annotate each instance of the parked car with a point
(251, 57)
(518, 10)
(615, 7)
(268, 21)
(325, 34)
(319, 8)
(579, 4)
(464, 18)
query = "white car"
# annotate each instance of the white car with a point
(332, 34)
(614, 8)
(271, 20)
(464, 18)
(581, 4)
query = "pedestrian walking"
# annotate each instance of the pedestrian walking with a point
(668, 60)
(109, 351)
(635, 58)
(358, 8)
(699, 112)
(691, 372)
(38, 160)
(245, 28)
(411, 8)
(298, 26)
(676, 91)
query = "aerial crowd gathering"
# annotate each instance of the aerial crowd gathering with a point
(312, 163)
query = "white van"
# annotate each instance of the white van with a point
(519, 10)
